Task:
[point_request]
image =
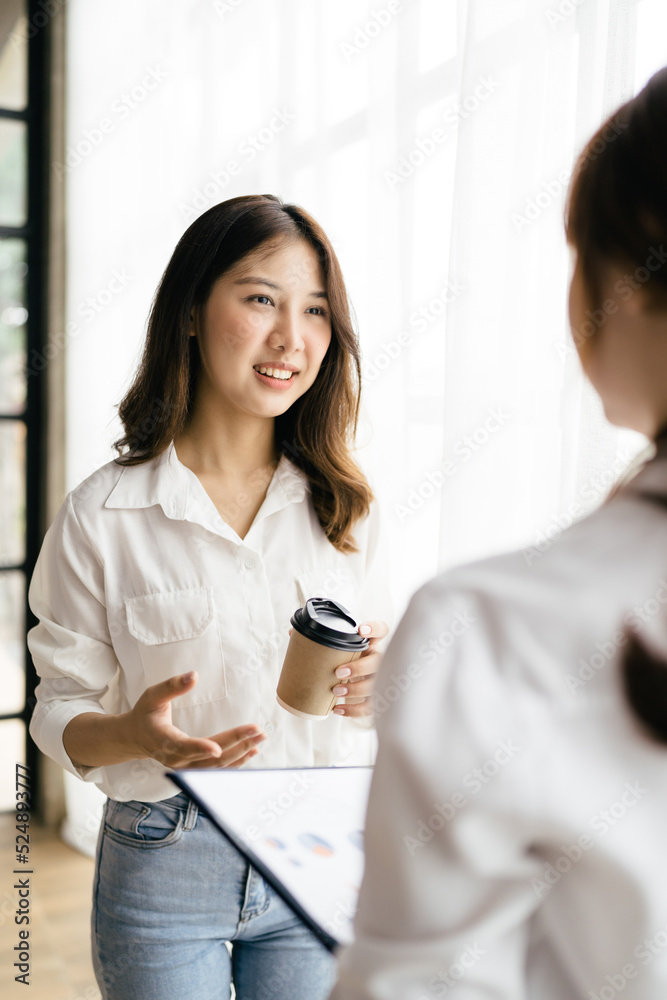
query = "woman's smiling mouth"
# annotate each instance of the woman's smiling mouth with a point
(278, 377)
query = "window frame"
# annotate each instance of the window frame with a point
(35, 233)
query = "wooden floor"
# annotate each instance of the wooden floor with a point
(60, 902)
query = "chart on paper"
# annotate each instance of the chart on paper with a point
(303, 829)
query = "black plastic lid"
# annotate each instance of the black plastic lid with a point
(329, 623)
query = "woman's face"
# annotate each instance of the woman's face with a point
(264, 331)
(622, 346)
(598, 337)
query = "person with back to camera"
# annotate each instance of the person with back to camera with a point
(515, 837)
(164, 590)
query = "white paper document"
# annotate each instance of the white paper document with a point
(301, 828)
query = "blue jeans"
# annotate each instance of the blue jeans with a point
(169, 892)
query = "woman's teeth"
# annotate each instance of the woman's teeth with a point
(274, 372)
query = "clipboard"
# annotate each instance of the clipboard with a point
(300, 828)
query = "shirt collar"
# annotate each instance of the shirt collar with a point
(155, 482)
(166, 482)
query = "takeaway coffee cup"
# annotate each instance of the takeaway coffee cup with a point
(324, 635)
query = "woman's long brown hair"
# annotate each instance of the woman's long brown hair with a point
(616, 213)
(317, 431)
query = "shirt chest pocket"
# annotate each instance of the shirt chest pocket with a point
(176, 632)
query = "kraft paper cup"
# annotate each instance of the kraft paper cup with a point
(324, 636)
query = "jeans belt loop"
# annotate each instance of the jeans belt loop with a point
(191, 816)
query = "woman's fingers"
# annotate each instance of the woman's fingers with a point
(355, 709)
(375, 630)
(233, 763)
(235, 757)
(355, 680)
(158, 696)
(173, 748)
(237, 743)
(236, 754)
(246, 757)
(177, 749)
(361, 688)
(354, 696)
(230, 738)
(365, 666)
(369, 661)
(357, 698)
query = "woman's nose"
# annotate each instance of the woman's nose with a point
(286, 334)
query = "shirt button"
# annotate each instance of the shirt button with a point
(249, 564)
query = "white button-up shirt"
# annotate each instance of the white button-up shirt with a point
(139, 578)
(515, 843)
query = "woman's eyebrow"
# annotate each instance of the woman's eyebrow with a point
(252, 280)
(255, 280)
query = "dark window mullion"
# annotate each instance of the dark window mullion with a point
(15, 232)
(10, 716)
(17, 116)
(36, 303)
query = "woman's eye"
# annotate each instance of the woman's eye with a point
(262, 299)
(317, 311)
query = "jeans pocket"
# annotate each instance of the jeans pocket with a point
(145, 825)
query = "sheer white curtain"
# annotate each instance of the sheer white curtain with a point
(433, 139)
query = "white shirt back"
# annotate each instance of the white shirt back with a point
(515, 844)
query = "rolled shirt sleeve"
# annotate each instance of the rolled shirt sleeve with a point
(71, 645)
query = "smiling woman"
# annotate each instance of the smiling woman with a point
(243, 331)
(234, 499)
(259, 353)
(293, 258)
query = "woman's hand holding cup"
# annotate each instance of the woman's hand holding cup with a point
(356, 679)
